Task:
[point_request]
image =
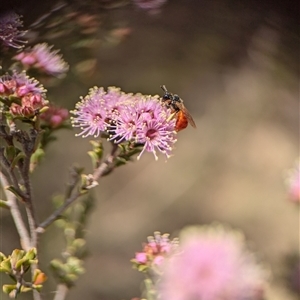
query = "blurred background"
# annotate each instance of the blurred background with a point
(236, 65)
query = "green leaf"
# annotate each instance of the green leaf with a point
(57, 265)
(25, 289)
(142, 268)
(15, 192)
(5, 266)
(8, 288)
(120, 161)
(31, 254)
(36, 158)
(16, 256)
(97, 153)
(20, 155)
(22, 261)
(15, 99)
(10, 152)
(2, 256)
(94, 158)
(3, 203)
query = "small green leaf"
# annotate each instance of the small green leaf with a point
(21, 262)
(25, 289)
(142, 268)
(94, 158)
(44, 109)
(15, 99)
(120, 161)
(3, 203)
(20, 155)
(2, 256)
(8, 288)
(16, 256)
(57, 265)
(10, 152)
(79, 243)
(15, 192)
(36, 158)
(31, 254)
(5, 266)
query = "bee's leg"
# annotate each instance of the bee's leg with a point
(172, 116)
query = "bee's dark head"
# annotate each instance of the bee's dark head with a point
(167, 95)
(176, 98)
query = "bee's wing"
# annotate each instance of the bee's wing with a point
(187, 114)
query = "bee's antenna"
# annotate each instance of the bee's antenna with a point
(163, 87)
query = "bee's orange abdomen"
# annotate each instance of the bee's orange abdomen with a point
(181, 122)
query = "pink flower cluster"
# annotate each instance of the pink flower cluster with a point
(24, 96)
(44, 59)
(134, 118)
(212, 263)
(154, 252)
(54, 116)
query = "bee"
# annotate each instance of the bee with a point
(175, 103)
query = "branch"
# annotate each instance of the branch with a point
(55, 215)
(107, 162)
(96, 176)
(5, 163)
(61, 292)
(31, 215)
(16, 214)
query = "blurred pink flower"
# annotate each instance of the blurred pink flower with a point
(149, 4)
(293, 182)
(141, 257)
(10, 34)
(44, 59)
(54, 116)
(212, 264)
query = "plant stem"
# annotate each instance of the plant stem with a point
(55, 215)
(107, 162)
(13, 179)
(96, 175)
(61, 292)
(16, 214)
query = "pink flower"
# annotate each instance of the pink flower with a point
(293, 183)
(10, 35)
(156, 134)
(154, 252)
(90, 113)
(54, 116)
(44, 59)
(130, 118)
(211, 264)
(30, 105)
(27, 94)
(25, 84)
(141, 257)
(7, 85)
